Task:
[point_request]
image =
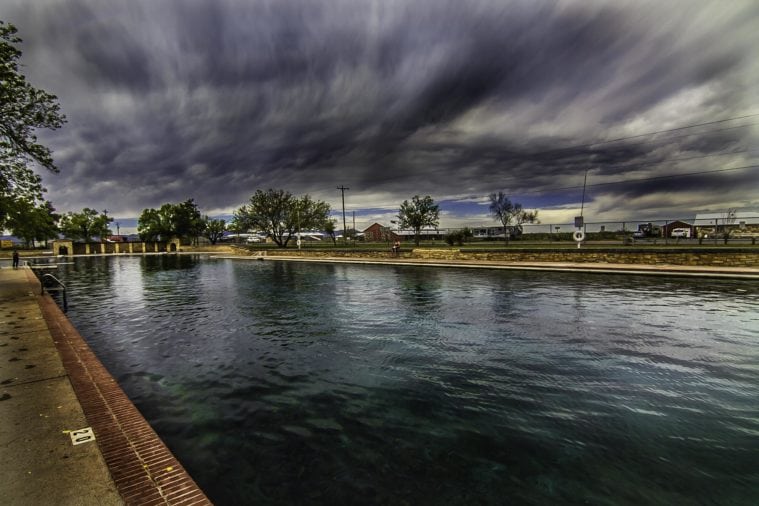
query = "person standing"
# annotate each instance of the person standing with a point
(15, 259)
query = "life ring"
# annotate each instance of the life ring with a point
(578, 236)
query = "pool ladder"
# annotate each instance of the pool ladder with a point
(60, 287)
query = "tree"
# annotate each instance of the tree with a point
(510, 215)
(330, 227)
(458, 236)
(156, 224)
(23, 109)
(213, 230)
(417, 214)
(33, 222)
(279, 214)
(85, 225)
(187, 221)
(171, 220)
(237, 227)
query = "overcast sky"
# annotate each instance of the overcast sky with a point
(214, 99)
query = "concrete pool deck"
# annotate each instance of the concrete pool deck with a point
(705, 271)
(51, 387)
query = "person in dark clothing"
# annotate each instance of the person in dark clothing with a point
(15, 259)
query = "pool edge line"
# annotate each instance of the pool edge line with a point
(632, 269)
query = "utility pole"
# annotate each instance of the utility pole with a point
(342, 191)
(584, 184)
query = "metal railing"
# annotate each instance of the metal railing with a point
(60, 287)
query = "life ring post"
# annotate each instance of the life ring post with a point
(578, 236)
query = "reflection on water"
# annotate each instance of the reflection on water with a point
(287, 383)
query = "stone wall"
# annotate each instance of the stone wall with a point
(340, 253)
(727, 256)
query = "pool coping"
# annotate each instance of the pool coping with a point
(142, 467)
(594, 268)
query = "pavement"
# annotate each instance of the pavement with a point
(51, 388)
(705, 271)
(39, 464)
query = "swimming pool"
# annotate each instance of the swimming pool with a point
(294, 383)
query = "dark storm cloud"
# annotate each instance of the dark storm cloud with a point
(215, 99)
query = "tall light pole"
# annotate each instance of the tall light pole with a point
(342, 191)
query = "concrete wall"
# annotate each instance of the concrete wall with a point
(728, 257)
(99, 248)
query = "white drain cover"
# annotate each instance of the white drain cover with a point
(82, 436)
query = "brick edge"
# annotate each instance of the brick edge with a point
(142, 467)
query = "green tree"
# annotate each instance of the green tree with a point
(511, 215)
(213, 230)
(279, 214)
(330, 227)
(32, 222)
(23, 109)
(187, 221)
(85, 225)
(458, 236)
(418, 214)
(156, 224)
(181, 220)
(237, 226)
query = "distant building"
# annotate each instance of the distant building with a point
(496, 232)
(379, 233)
(667, 229)
(425, 233)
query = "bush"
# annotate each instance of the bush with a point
(457, 236)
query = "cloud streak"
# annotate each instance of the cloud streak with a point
(214, 99)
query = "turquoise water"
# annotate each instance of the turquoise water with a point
(288, 383)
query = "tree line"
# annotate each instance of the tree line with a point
(278, 214)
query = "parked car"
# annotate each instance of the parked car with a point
(681, 232)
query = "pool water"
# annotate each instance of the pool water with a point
(296, 383)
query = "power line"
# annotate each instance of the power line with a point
(724, 120)
(535, 156)
(654, 163)
(679, 128)
(672, 160)
(643, 179)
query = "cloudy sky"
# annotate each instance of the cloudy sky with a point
(213, 99)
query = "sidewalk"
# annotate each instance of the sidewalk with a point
(38, 406)
(51, 384)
